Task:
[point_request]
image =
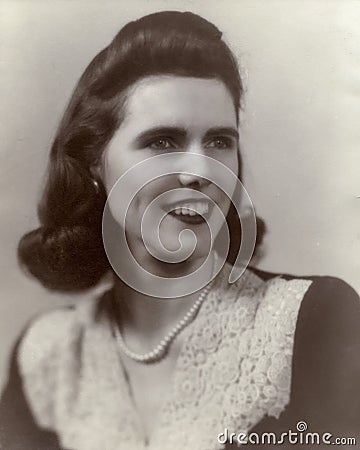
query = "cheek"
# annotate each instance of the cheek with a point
(120, 195)
(128, 204)
(114, 166)
(224, 204)
(232, 162)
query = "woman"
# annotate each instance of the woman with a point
(152, 363)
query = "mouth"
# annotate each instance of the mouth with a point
(194, 213)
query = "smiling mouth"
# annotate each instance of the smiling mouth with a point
(191, 213)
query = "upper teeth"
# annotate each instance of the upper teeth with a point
(192, 208)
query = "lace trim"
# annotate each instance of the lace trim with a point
(234, 368)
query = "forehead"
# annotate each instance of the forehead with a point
(181, 101)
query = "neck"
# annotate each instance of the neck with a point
(145, 320)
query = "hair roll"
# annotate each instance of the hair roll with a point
(66, 258)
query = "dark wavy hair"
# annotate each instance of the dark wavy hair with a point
(66, 252)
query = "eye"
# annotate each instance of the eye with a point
(161, 143)
(220, 142)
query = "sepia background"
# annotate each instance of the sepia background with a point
(300, 131)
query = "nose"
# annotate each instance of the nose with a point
(190, 180)
(195, 171)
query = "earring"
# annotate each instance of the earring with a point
(96, 185)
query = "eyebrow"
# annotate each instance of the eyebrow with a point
(159, 131)
(222, 131)
(181, 132)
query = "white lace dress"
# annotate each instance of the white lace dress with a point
(234, 369)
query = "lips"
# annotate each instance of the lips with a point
(191, 211)
(199, 205)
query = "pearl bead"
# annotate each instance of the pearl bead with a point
(159, 351)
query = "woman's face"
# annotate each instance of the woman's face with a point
(179, 116)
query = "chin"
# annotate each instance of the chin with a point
(182, 247)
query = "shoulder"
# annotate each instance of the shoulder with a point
(49, 356)
(326, 297)
(326, 362)
(329, 318)
(46, 335)
(325, 382)
(329, 314)
(331, 296)
(328, 324)
(59, 332)
(18, 427)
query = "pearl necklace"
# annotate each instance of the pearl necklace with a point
(160, 350)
